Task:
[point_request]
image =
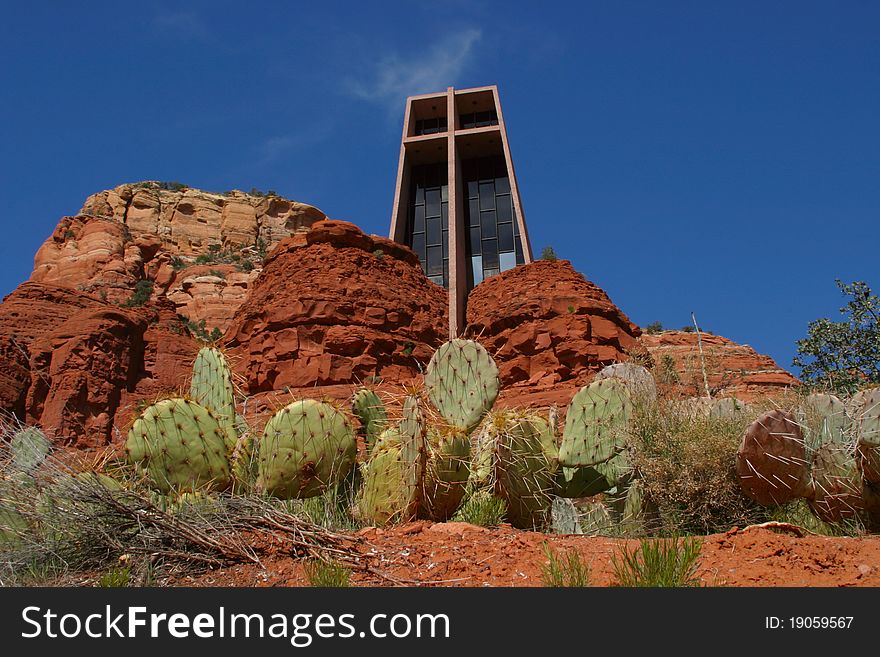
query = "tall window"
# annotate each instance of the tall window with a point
(494, 243)
(429, 221)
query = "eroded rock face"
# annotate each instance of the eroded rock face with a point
(188, 221)
(209, 292)
(200, 249)
(65, 359)
(545, 323)
(78, 373)
(732, 369)
(336, 306)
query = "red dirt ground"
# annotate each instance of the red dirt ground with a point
(459, 554)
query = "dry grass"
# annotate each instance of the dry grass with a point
(687, 463)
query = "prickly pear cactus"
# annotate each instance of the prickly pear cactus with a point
(307, 447)
(446, 473)
(565, 517)
(581, 482)
(772, 461)
(13, 527)
(179, 444)
(211, 386)
(836, 483)
(413, 454)
(595, 426)
(29, 448)
(369, 409)
(823, 420)
(382, 499)
(523, 475)
(866, 416)
(638, 379)
(726, 408)
(462, 382)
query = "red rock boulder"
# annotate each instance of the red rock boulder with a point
(336, 306)
(544, 322)
(78, 372)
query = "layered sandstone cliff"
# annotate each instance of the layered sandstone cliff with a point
(731, 369)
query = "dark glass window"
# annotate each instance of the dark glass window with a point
(505, 211)
(478, 119)
(487, 222)
(427, 228)
(505, 237)
(494, 243)
(430, 126)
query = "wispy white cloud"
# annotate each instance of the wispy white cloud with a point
(395, 76)
(183, 23)
(277, 146)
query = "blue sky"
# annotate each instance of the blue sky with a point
(715, 157)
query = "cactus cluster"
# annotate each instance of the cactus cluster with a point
(825, 451)
(199, 442)
(516, 456)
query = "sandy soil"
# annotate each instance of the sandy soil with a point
(459, 554)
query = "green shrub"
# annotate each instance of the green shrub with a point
(115, 578)
(482, 508)
(654, 328)
(548, 254)
(143, 289)
(658, 562)
(326, 573)
(564, 570)
(687, 462)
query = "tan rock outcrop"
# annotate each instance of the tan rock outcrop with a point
(732, 369)
(187, 221)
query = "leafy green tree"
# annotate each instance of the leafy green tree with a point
(844, 355)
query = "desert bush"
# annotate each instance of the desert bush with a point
(142, 291)
(547, 253)
(658, 562)
(687, 464)
(567, 569)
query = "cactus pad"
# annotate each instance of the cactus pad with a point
(211, 386)
(836, 486)
(446, 473)
(638, 379)
(866, 416)
(370, 411)
(823, 420)
(462, 382)
(307, 447)
(29, 449)
(179, 444)
(523, 475)
(771, 461)
(595, 426)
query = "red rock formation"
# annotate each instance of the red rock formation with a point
(177, 239)
(78, 373)
(209, 292)
(732, 369)
(336, 306)
(544, 323)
